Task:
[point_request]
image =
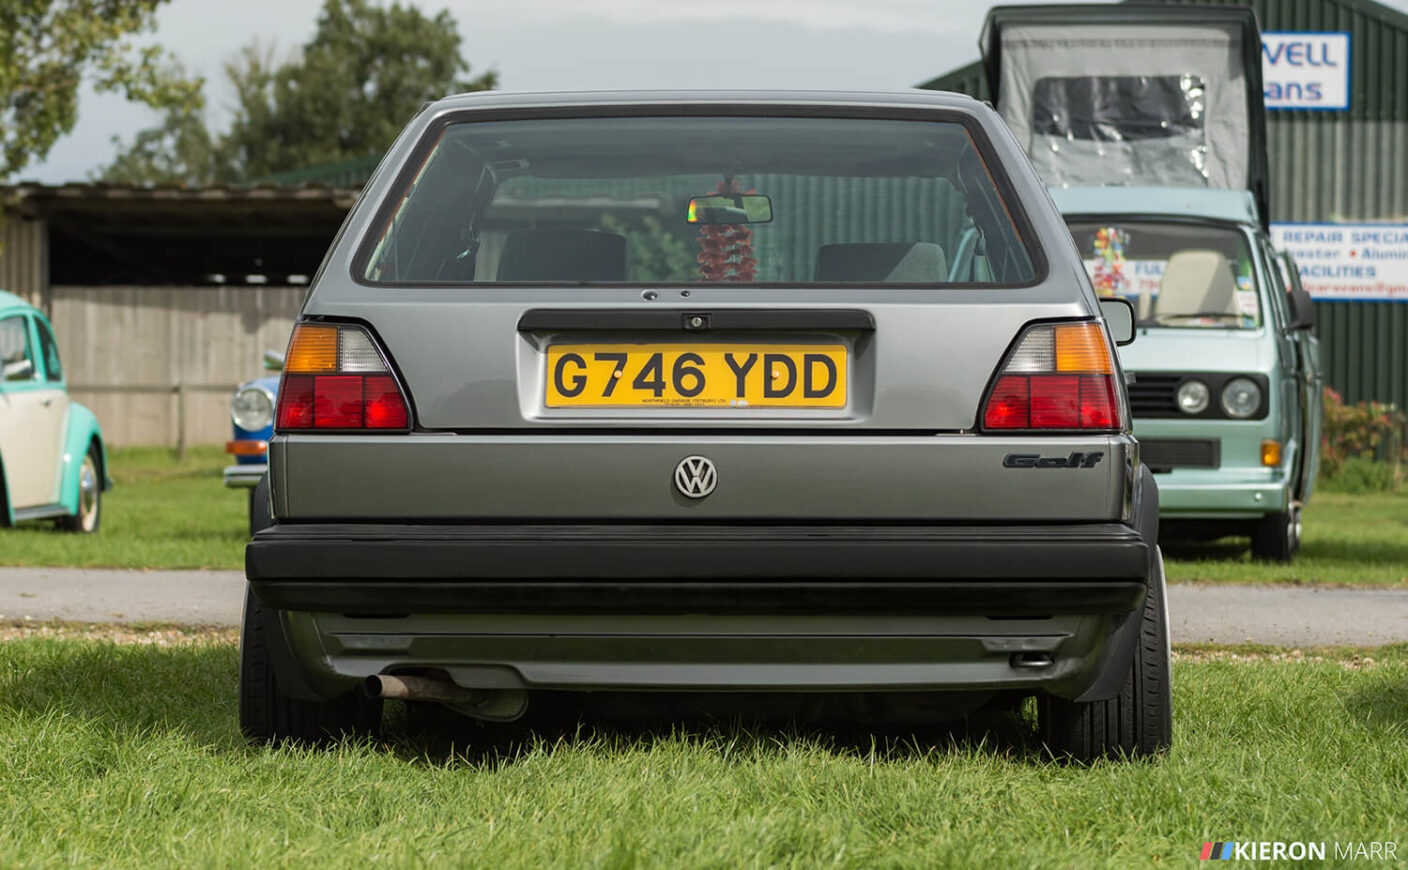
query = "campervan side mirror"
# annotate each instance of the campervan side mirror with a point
(1119, 317)
(273, 361)
(1302, 310)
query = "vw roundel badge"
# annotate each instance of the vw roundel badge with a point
(696, 476)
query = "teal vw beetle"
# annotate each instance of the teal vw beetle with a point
(52, 462)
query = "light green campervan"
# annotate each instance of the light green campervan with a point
(1147, 123)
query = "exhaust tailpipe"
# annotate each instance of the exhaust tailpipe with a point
(494, 705)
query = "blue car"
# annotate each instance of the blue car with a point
(252, 421)
(53, 465)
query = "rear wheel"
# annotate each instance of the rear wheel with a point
(267, 714)
(90, 496)
(1138, 722)
(1276, 537)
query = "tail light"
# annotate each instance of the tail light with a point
(1060, 377)
(335, 378)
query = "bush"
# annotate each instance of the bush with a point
(1363, 445)
(1359, 475)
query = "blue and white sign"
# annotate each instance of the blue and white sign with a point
(1305, 70)
(1348, 261)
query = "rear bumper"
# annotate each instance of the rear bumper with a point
(367, 555)
(709, 608)
(245, 476)
(1227, 493)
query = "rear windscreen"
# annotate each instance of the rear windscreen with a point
(1119, 108)
(1120, 130)
(657, 199)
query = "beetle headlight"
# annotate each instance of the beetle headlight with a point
(1193, 397)
(1240, 398)
(252, 409)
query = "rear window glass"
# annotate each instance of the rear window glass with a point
(1177, 275)
(1121, 129)
(1119, 108)
(751, 200)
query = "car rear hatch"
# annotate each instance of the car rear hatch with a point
(897, 437)
(577, 302)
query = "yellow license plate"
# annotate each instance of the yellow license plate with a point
(697, 375)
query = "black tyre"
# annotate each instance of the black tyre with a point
(90, 496)
(1276, 537)
(1138, 722)
(259, 516)
(268, 715)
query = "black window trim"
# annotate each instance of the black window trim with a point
(411, 166)
(43, 330)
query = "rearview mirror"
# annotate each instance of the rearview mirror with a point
(273, 361)
(19, 370)
(1119, 317)
(730, 208)
(1302, 310)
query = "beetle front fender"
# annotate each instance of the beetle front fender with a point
(82, 430)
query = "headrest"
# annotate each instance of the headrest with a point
(1196, 282)
(573, 256)
(883, 263)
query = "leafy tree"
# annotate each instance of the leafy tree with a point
(178, 151)
(346, 94)
(46, 48)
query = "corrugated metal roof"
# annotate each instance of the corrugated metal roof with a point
(18, 194)
(346, 173)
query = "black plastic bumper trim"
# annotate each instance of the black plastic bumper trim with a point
(997, 598)
(668, 554)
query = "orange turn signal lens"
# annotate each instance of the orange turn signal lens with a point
(247, 447)
(1271, 452)
(312, 348)
(1081, 347)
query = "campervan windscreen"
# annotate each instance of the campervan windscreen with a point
(1128, 104)
(1177, 275)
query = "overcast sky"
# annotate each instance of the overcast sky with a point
(587, 44)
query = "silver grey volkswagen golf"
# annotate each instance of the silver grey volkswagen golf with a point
(707, 394)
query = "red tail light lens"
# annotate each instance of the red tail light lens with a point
(337, 382)
(382, 403)
(1060, 377)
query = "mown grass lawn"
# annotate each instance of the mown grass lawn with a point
(124, 755)
(161, 513)
(1349, 540)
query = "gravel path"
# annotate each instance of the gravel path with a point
(1280, 615)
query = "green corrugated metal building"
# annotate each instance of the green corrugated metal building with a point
(1348, 166)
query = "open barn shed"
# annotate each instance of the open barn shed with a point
(164, 299)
